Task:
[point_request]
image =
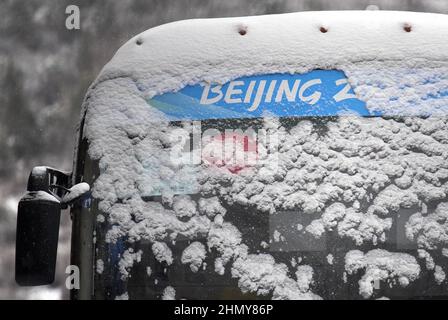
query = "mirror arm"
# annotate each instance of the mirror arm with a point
(50, 180)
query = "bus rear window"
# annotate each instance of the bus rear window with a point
(284, 208)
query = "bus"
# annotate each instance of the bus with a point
(293, 156)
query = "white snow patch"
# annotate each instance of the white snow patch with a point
(211, 207)
(278, 237)
(183, 206)
(128, 258)
(44, 293)
(429, 231)
(330, 259)
(261, 275)
(100, 218)
(381, 265)
(439, 274)
(169, 293)
(226, 239)
(194, 255)
(76, 191)
(304, 275)
(429, 261)
(162, 252)
(360, 227)
(124, 296)
(99, 266)
(316, 228)
(445, 252)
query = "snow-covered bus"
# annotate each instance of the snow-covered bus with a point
(295, 156)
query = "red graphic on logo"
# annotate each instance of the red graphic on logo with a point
(233, 151)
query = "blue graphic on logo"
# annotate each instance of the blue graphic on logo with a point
(317, 93)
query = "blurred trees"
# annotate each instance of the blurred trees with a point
(19, 135)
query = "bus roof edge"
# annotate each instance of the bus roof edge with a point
(170, 56)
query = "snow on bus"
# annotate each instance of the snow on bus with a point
(377, 186)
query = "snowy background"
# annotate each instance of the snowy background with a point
(45, 70)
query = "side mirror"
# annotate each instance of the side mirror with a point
(38, 220)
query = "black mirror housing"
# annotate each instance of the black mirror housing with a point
(37, 238)
(38, 217)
